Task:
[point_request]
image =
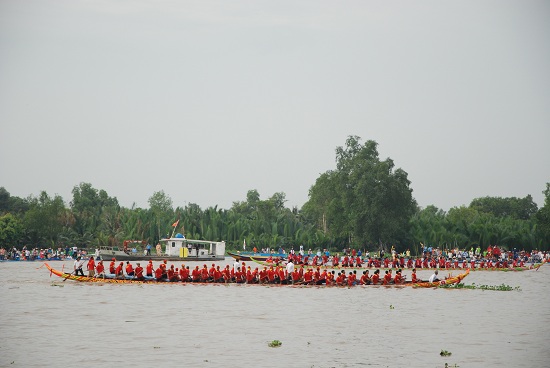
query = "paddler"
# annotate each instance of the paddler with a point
(376, 277)
(129, 269)
(112, 267)
(91, 267)
(100, 269)
(149, 269)
(138, 271)
(119, 270)
(414, 279)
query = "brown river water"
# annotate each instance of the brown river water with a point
(46, 322)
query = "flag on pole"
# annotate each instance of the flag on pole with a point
(175, 223)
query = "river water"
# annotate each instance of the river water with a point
(50, 323)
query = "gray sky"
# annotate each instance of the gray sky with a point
(208, 99)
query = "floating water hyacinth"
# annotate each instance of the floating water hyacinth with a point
(501, 287)
(275, 344)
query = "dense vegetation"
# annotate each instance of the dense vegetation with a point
(363, 203)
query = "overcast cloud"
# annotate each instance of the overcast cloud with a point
(208, 99)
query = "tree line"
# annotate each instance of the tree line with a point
(364, 203)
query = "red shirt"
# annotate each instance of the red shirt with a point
(100, 268)
(139, 272)
(91, 264)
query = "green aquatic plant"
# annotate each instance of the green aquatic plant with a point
(392, 307)
(275, 344)
(501, 287)
(445, 353)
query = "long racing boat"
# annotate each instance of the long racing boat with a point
(129, 280)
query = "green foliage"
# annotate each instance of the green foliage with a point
(363, 203)
(542, 218)
(364, 200)
(517, 208)
(46, 219)
(11, 230)
(466, 227)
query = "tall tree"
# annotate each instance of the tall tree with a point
(375, 200)
(517, 208)
(45, 219)
(88, 206)
(11, 230)
(161, 207)
(542, 219)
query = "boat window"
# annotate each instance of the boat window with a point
(173, 244)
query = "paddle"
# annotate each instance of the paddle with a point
(74, 272)
(69, 274)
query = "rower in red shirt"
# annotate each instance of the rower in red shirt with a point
(323, 278)
(308, 277)
(138, 271)
(100, 269)
(211, 272)
(112, 267)
(281, 275)
(249, 277)
(365, 279)
(341, 278)
(119, 270)
(204, 273)
(129, 269)
(271, 275)
(196, 274)
(263, 276)
(387, 278)
(376, 277)
(398, 279)
(91, 267)
(414, 279)
(159, 273)
(295, 276)
(218, 276)
(239, 276)
(149, 269)
(330, 278)
(172, 274)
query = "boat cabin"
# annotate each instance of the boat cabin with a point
(182, 247)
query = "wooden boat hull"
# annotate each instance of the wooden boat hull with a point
(257, 256)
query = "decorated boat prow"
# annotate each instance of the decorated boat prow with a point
(448, 281)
